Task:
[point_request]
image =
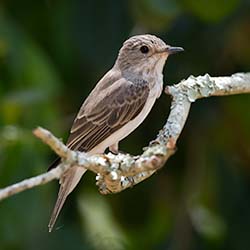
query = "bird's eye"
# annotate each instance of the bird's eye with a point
(144, 49)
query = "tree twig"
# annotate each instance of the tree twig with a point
(118, 172)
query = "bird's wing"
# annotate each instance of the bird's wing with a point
(105, 111)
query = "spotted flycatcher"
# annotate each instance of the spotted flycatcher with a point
(117, 105)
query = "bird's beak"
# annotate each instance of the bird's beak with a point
(173, 50)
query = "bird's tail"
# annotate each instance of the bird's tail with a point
(68, 183)
(54, 164)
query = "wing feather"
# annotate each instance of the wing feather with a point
(105, 111)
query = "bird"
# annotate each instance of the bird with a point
(117, 105)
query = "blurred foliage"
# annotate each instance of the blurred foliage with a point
(213, 10)
(53, 52)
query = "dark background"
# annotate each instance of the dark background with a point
(52, 53)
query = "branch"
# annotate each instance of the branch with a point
(115, 173)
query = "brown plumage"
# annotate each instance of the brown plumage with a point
(98, 120)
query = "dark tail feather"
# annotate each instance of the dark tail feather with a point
(63, 193)
(54, 163)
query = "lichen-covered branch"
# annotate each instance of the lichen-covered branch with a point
(118, 172)
(188, 91)
(33, 182)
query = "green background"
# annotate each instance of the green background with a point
(51, 55)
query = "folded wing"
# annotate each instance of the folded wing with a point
(107, 111)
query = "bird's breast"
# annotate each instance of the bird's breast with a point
(156, 85)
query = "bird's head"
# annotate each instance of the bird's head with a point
(144, 53)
